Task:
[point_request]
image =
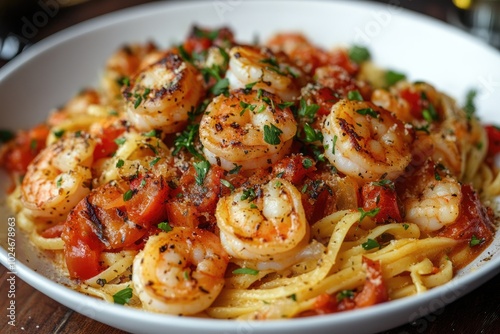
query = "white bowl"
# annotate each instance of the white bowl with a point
(50, 72)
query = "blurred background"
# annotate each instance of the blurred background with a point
(25, 22)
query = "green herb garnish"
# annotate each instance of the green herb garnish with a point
(245, 271)
(123, 296)
(372, 213)
(359, 54)
(370, 244)
(345, 294)
(127, 196)
(474, 241)
(272, 134)
(368, 111)
(392, 77)
(354, 95)
(165, 227)
(201, 169)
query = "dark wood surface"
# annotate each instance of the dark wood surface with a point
(475, 313)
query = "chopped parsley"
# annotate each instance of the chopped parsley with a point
(368, 111)
(59, 182)
(201, 169)
(248, 194)
(123, 296)
(151, 133)
(384, 183)
(236, 169)
(249, 86)
(124, 81)
(354, 95)
(246, 106)
(370, 244)
(285, 105)
(406, 226)
(154, 161)
(307, 163)
(221, 87)
(120, 141)
(246, 271)
(120, 163)
(59, 133)
(359, 54)
(306, 110)
(186, 140)
(165, 227)
(210, 34)
(392, 77)
(334, 142)
(33, 144)
(127, 196)
(272, 134)
(429, 114)
(470, 105)
(227, 184)
(372, 213)
(184, 54)
(312, 135)
(474, 241)
(345, 294)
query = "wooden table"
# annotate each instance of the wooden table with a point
(478, 312)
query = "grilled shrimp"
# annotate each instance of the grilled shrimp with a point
(266, 224)
(265, 69)
(394, 103)
(365, 141)
(248, 129)
(180, 272)
(437, 206)
(162, 95)
(434, 200)
(59, 177)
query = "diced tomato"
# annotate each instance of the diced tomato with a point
(415, 100)
(24, 148)
(106, 145)
(294, 168)
(382, 197)
(202, 39)
(189, 201)
(147, 205)
(338, 80)
(325, 98)
(374, 290)
(181, 213)
(104, 220)
(474, 221)
(493, 133)
(341, 58)
(82, 257)
(204, 197)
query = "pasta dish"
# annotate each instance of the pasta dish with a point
(265, 181)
